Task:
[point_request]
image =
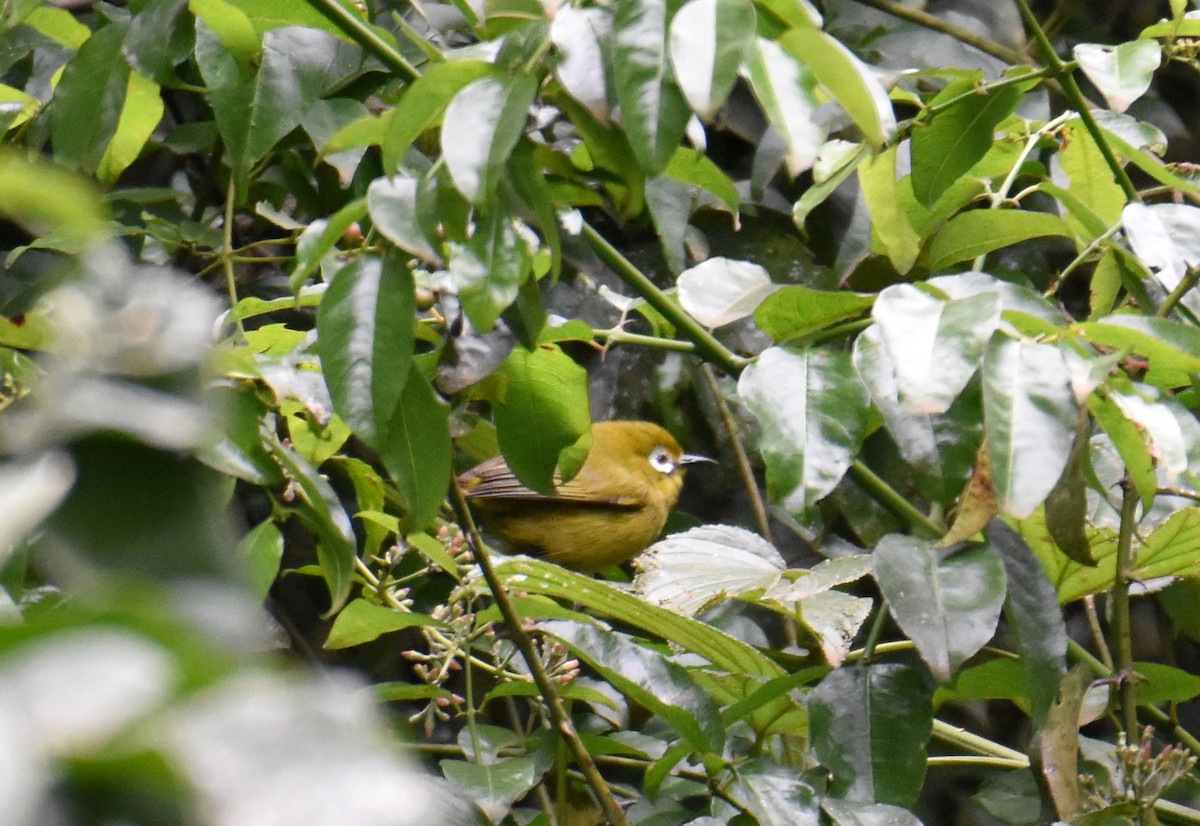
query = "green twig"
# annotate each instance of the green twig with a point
(1122, 630)
(1189, 280)
(365, 36)
(1075, 97)
(554, 705)
(886, 495)
(928, 21)
(618, 336)
(706, 344)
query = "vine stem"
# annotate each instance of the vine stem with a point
(1122, 630)
(928, 21)
(886, 495)
(739, 451)
(554, 705)
(366, 37)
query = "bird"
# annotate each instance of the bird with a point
(609, 512)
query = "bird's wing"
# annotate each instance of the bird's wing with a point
(494, 480)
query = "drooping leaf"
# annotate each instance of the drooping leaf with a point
(140, 116)
(1033, 614)
(365, 327)
(489, 268)
(483, 122)
(1122, 73)
(935, 345)
(417, 448)
(1060, 744)
(1030, 416)
(577, 34)
(89, 100)
(812, 411)
(547, 388)
(852, 83)
(889, 221)
(259, 553)
(653, 110)
(869, 729)
(397, 206)
(670, 204)
(424, 102)
(948, 606)
(708, 38)
(784, 88)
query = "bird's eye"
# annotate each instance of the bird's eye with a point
(660, 460)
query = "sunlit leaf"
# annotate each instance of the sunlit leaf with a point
(720, 291)
(480, 129)
(1122, 73)
(708, 38)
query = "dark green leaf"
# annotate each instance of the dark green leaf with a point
(774, 795)
(812, 411)
(365, 327)
(490, 267)
(793, 311)
(416, 451)
(1157, 683)
(1035, 618)
(1030, 417)
(869, 729)
(483, 122)
(89, 99)
(361, 621)
(653, 109)
(260, 551)
(662, 686)
(949, 606)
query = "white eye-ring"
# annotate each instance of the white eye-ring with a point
(660, 460)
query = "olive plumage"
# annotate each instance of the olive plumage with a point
(610, 511)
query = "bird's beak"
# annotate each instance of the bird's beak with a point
(693, 458)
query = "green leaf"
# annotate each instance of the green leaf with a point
(721, 291)
(1034, 616)
(1091, 178)
(727, 653)
(653, 110)
(41, 195)
(812, 411)
(1012, 797)
(577, 33)
(483, 122)
(89, 99)
(934, 344)
(424, 102)
(670, 206)
(398, 207)
(708, 39)
(1030, 416)
(417, 449)
(785, 89)
(489, 268)
(1130, 442)
(259, 553)
(1172, 348)
(365, 341)
(543, 386)
(140, 116)
(889, 221)
(854, 813)
(692, 571)
(231, 26)
(651, 679)
(325, 517)
(775, 795)
(361, 621)
(158, 39)
(1156, 683)
(697, 170)
(869, 729)
(793, 311)
(852, 83)
(948, 606)
(944, 148)
(320, 237)
(981, 231)
(941, 447)
(1121, 73)
(495, 786)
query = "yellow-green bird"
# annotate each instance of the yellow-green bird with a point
(610, 511)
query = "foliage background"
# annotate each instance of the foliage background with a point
(275, 271)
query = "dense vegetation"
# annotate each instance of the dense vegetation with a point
(275, 271)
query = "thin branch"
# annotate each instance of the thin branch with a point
(921, 18)
(558, 715)
(749, 482)
(707, 345)
(362, 34)
(1122, 630)
(886, 495)
(1075, 97)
